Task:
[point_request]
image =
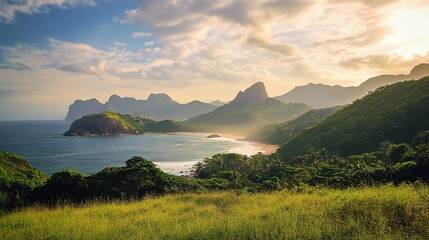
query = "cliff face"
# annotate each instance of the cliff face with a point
(81, 108)
(106, 123)
(253, 95)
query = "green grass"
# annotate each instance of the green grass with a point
(367, 213)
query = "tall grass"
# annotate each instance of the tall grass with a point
(385, 212)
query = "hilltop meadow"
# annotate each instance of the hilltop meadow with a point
(384, 212)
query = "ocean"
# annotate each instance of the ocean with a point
(43, 144)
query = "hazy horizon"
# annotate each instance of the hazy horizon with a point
(54, 52)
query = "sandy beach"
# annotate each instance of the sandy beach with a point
(265, 148)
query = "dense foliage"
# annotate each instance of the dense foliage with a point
(394, 163)
(138, 178)
(17, 179)
(393, 113)
(283, 132)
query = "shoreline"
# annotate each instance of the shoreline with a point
(265, 147)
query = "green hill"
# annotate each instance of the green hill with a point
(283, 132)
(393, 113)
(17, 178)
(251, 108)
(110, 123)
(107, 123)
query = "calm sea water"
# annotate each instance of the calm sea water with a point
(43, 144)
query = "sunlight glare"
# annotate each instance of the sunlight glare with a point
(410, 29)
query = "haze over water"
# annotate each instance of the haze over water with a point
(47, 149)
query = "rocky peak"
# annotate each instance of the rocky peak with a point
(252, 95)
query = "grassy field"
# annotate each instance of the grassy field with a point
(385, 212)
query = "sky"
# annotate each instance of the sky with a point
(53, 52)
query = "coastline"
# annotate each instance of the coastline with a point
(264, 147)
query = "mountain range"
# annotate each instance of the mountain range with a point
(323, 96)
(161, 106)
(249, 109)
(156, 106)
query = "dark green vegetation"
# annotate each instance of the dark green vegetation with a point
(138, 178)
(390, 163)
(283, 132)
(20, 184)
(109, 123)
(17, 179)
(393, 113)
(385, 212)
(251, 108)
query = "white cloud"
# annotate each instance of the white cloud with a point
(9, 9)
(120, 44)
(150, 43)
(140, 34)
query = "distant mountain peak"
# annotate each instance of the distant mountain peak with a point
(217, 103)
(159, 98)
(254, 94)
(420, 70)
(114, 97)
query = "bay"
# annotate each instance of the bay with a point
(43, 144)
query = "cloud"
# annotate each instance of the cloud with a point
(369, 3)
(17, 66)
(150, 43)
(120, 44)
(95, 66)
(286, 49)
(239, 20)
(140, 34)
(384, 62)
(9, 9)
